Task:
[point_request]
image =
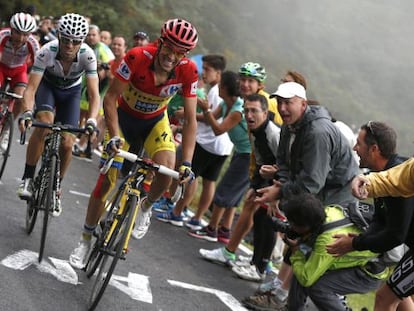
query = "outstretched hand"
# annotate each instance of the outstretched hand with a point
(342, 244)
(359, 189)
(268, 194)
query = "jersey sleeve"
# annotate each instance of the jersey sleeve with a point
(90, 63)
(190, 78)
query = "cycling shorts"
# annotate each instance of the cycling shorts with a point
(63, 102)
(155, 133)
(401, 280)
(18, 75)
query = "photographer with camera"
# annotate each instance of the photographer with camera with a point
(317, 274)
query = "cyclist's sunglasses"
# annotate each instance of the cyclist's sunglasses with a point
(66, 40)
(169, 48)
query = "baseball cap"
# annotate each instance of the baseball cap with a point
(289, 90)
(141, 34)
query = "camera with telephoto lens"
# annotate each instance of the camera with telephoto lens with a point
(284, 227)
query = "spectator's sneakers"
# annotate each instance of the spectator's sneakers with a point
(205, 233)
(219, 255)
(163, 205)
(142, 222)
(264, 302)
(24, 191)
(80, 153)
(194, 224)
(169, 216)
(268, 287)
(186, 214)
(79, 255)
(249, 273)
(223, 236)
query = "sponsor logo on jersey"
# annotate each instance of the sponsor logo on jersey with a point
(171, 89)
(193, 90)
(124, 71)
(146, 107)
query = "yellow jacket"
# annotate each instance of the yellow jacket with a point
(396, 181)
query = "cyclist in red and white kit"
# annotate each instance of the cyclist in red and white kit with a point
(17, 49)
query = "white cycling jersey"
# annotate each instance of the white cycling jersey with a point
(15, 58)
(47, 63)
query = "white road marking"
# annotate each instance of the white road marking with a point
(81, 194)
(138, 286)
(226, 298)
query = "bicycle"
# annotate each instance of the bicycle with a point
(112, 242)
(7, 99)
(46, 184)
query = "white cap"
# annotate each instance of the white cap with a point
(289, 90)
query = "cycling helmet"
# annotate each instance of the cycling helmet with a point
(23, 22)
(254, 70)
(73, 26)
(180, 33)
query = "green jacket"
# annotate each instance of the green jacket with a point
(309, 268)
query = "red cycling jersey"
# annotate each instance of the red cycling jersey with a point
(143, 99)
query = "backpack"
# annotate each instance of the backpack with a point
(361, 214)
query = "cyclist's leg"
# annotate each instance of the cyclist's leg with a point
(18, 84)
(67, 112)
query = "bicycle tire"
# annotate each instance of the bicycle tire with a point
(48, 196)
(95, 256)
(7, 125)
(32, 208)
(109, 262)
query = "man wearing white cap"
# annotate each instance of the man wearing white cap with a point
(313, 154)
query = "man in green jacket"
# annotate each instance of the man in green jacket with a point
(317, 274)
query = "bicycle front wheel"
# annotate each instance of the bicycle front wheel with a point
(6, 139)
(32, 208)
(47, 202)
(113, 252)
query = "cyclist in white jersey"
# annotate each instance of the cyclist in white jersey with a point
(55, 86)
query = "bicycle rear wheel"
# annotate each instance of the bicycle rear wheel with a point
(46, 202)
(113, 253)
(6, 136)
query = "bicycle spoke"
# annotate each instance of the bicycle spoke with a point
(6, 138)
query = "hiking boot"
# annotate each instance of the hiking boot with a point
(223, 236)
(249, 273)
(194, 224)
(171, 218)
(163, 205)
(79, 255)
(142, 222)
(264, 303)
(24, 191)
(219, 255)
(205, 233)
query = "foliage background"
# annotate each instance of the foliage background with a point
(355, 54)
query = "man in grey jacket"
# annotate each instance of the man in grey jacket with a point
(313, 155)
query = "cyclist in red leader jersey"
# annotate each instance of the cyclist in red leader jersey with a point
(145, 81)
(17, 47)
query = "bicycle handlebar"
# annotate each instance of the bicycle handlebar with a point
(11, 94)
(54, 127)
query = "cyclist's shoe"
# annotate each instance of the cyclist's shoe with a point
(219, 255)
(205, 233)
(163, 205)
(4, 143)
(24, 191)
(80, 153)
(194, 224)
(249, 273)
(223, 236)
(79, 255)
(57, 210)
(142, 223)
(171, 218)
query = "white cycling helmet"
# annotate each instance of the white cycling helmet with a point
(23, 22)
(73, 26)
